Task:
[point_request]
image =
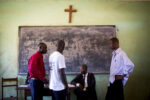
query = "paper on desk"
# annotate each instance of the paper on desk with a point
(71, 86)
(24, 86)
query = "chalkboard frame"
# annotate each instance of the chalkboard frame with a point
(19, 29)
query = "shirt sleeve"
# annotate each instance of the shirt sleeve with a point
(61, 62)
(32, 65)
(50, 65)
(129, 66)
(42, 67)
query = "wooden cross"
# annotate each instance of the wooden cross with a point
(70, 10)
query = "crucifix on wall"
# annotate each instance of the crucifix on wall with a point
(70, 10)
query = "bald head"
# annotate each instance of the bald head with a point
(60, 46)
(42, 48)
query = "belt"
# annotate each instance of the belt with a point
(34, 79)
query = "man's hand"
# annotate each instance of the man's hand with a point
(46, 82)
(85, 88)
(119, 77)
(67, 90)
(64, 79)
(79, 86)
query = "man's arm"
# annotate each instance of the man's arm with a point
(50, 68)
(63, 77)
(75, 80)
(43, 69)
(31, 66)
(127, 67)
(62, 66)
(49, 75)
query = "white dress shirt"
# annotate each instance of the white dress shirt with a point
(120, 65)
(86, 80)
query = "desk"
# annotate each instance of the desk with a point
(46, 91)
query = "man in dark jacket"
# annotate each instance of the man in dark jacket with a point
(85, 85)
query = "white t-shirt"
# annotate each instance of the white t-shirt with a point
(56, 62)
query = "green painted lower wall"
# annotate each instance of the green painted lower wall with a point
(102, 82)
(132, 20)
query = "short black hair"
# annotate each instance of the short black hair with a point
(85, 66)
(60, 43)
(41, 44)
(114, 40)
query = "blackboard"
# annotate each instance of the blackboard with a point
(84, 45)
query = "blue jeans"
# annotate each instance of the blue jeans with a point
(36, 88)
(59, 95)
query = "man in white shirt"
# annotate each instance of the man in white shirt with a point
(57, 78)
(120, 69)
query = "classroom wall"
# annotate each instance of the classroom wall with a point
(132, 20)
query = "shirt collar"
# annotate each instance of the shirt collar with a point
(58, 52)
(85, 74)
(39, 53)
(116, 51)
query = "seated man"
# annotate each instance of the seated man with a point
(85, 85)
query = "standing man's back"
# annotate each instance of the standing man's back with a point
(58, 83)
(57, 62)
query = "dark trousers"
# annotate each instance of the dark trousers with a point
(115, 91)
(36, 88)
(81, 95)
(59, 95)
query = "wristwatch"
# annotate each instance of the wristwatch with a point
(77, 84)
